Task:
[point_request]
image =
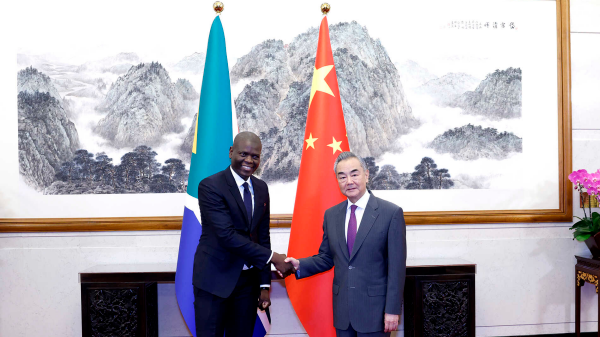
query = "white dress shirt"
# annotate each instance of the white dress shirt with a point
(360, 210)
(240, 184)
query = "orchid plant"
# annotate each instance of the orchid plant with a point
(590, 183)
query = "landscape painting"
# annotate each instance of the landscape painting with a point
(65, 111)
(454, 105)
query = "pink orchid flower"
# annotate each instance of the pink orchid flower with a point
(594, 188)
(578, 176)
(573, 177)
(595, 177)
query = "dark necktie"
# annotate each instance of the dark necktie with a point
(351, 229)
(248, 202)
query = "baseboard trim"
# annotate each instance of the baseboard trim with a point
(548, 329)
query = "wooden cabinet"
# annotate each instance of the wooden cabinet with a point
(121, 300)
(439, 298)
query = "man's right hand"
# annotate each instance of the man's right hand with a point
(284, 268)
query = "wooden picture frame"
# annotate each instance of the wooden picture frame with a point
(564, 213)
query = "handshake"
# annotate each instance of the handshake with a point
(286, 266)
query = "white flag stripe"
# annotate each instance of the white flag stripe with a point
(191, 203)
(264, 320)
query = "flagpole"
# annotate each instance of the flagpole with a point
(212, 139)
(325, 138)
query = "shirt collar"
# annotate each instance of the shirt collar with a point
(239, 180)
(362, 202)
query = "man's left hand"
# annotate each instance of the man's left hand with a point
(264, 301)
(391, 322)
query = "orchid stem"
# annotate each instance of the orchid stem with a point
(590, 204)
(582, 201)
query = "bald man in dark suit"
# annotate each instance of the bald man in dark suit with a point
(232, 265)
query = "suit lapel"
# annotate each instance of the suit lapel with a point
(366, 223)
(235, 191)
(340, 225)
(259, 203)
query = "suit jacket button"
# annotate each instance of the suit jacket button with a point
(350, 267)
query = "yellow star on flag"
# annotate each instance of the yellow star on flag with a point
(310, 142)
(335, 146)
(318, 82)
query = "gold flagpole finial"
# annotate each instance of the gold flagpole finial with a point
(218, 7)
(325, 8)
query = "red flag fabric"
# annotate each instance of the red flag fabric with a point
(324, 139)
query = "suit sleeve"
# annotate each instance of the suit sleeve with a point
(319, 263)
(396, 246)
(264, 239)
(215, 213)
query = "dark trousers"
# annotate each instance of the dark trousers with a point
(350, 332)
(235, 315)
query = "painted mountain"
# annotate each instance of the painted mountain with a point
(446, 89)
(118, 64)
(186, 90)
(472, 142)
(497, 97)
(413, 75)
(193, 64)
(143, 105)
(274, 103)
(46, 135)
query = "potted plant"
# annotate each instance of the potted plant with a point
(587, 229)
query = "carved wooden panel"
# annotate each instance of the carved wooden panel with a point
(113, 312)
(445, 308)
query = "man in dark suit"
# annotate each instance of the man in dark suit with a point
(232, 272)
(365, 239)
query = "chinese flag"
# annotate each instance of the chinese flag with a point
(325, 138)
